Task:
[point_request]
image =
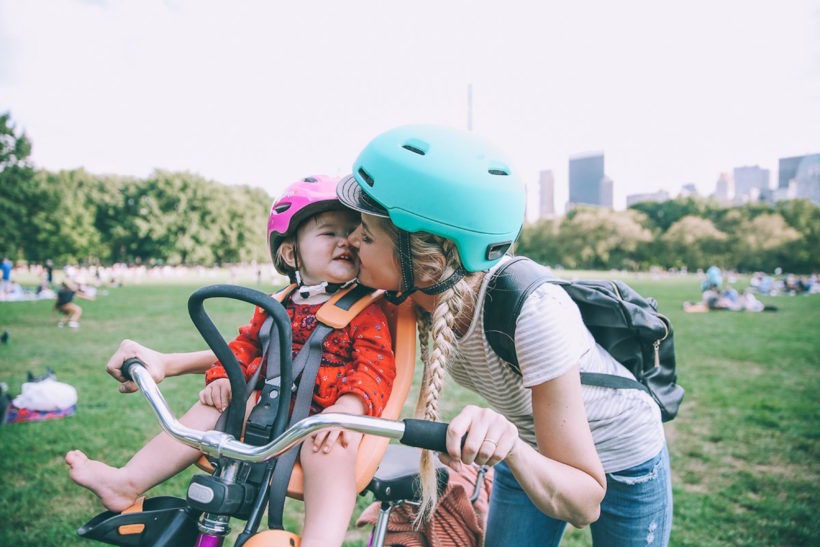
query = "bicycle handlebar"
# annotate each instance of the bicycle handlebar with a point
(411, 432)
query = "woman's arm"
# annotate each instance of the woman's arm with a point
(564, 478)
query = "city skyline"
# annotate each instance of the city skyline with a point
(755, 185)
(261, 94)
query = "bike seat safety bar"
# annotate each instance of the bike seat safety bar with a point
(206, 327)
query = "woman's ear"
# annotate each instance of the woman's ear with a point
(287, 252)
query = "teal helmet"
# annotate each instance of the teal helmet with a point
(446, 182)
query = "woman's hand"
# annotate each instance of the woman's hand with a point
(217, 394)
(490, 437)
(154, 363)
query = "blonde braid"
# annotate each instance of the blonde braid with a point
(427, 251)
(444, 340)
(424, 324)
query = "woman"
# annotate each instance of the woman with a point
(440, 209)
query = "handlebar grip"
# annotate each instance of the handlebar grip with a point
(425, 434)
(128, 364)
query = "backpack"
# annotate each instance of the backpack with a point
(624, 323)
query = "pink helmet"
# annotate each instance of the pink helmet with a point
(301, 199)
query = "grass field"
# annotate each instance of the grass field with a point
(744, 447)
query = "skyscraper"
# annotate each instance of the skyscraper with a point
(660, 195)
(751, 183)
(587, 182)
(605, 197)
(546, 194)
(688, 189)
(807, 178)
(724, 187)
(787, 169)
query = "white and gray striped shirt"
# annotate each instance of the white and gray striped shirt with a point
(550, 338)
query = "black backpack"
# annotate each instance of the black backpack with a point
(623, 322)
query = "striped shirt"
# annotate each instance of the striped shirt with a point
(550, 338)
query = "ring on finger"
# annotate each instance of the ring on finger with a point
(495, 443)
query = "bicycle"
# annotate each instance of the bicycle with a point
(240, 484)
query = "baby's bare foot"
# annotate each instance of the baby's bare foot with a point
(113, 489)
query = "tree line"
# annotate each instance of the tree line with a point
(169, 217)
(181, 218)
(692, 232)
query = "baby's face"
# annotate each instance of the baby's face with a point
(323, 249)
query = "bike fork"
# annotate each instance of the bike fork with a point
(212, 530)
(208, 540)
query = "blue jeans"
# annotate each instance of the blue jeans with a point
(636, 511)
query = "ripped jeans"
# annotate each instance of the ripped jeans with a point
(636, 511)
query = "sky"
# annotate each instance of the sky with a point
(263, 93)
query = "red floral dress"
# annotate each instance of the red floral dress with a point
(356, 359)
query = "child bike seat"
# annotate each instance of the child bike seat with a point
(402, 323)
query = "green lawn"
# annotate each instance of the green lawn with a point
(744, 447)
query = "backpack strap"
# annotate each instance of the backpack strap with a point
(507, 291)
(341, 309)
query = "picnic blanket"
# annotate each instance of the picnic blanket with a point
(42, 399)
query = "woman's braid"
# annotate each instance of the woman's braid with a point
(444, 342)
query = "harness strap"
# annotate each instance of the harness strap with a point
(259, 427)
(307, 361)
(610, 380)
(301, 408)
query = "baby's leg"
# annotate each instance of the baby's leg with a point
(161, 458)
(329, 491)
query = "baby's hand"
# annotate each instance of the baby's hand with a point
(326, 439)
(217, 394)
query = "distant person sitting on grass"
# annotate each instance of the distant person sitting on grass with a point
(66, 306)
(714, 278)
(712, 301)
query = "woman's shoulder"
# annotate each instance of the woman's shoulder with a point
(547, 300)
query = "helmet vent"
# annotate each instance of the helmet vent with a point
(367, 178)
(501, 172)
(497, 250)
(413, 149)
(309, 179)
(282, 207)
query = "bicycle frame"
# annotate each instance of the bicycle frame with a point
(410, 432)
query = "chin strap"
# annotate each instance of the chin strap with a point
(306, 291)
(408, 280)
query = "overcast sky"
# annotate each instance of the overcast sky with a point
(262, 93)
